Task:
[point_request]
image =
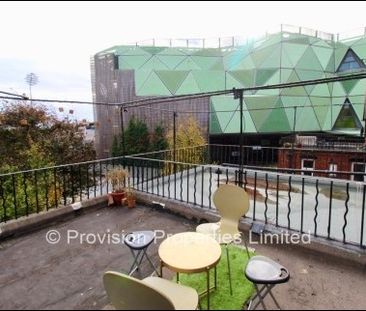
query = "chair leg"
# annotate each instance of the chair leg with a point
(251, 304)
(228, 266)
(134, 265)
(260, 297)
(151, 264)
(274, 299)
(261, 294)
(143, 254)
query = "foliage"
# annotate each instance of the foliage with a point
(32, 138)
(24, 126)
(137, 138)
(34, 192)
(159, 140)
(116, 147)
(117, 176)
(188, 136)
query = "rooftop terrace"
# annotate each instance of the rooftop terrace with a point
(37, 275)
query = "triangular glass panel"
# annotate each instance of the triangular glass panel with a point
(187, 64)
(309, 61)
(153, 86)
(172, 79)
(154, 63)
(209, 80)
(294, 52)
(350, 62)
(205, 62)
(277, 120)
(171, 61)
(245, 77)
(188, 86)
(324, 55)
(347, 118)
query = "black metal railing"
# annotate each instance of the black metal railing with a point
(275, 159)
(325, 207)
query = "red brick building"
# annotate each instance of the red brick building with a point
(330, 161)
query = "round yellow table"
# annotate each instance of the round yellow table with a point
(191, 252)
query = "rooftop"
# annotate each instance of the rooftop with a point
(233, 41)
(37, 275)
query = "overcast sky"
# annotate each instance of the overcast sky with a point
(55, 40)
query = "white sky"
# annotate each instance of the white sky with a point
(55, 40)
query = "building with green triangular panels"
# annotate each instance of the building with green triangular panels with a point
(124, 73)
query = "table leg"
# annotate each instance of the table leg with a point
(161, 268)
(215, 277)
(208, 289)
(177, 277)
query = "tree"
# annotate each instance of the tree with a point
(159, 140)
(24, 126)
(137, 138)
(116, 147)
(189, 134)
(32, 137)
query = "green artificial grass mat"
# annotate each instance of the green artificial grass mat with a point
(220, 299)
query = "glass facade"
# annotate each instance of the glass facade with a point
(278, 58)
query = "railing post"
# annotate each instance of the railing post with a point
(238, 94)
(174, 140)
(123, 132)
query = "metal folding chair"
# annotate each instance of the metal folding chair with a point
(264, 271)
(138, 242)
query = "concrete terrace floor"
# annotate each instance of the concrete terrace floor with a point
(37, 275)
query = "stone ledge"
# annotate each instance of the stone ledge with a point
(44, 219)
(319, 246)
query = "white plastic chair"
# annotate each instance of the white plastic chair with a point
(232, 202)
(152, 293)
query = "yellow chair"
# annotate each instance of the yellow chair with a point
(152, 293)
(232, 202)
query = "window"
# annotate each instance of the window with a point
(350, 62)
(333, 168)
(358, 167)
(347, 118)
(307, 165)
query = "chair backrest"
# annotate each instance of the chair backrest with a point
(231, 201)
(127, 293)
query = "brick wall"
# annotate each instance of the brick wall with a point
(288, 158)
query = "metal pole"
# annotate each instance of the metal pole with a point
(294, 135)
(174, 135)
(241, 138)
(123, 132)
(174, 146)
(239, 94)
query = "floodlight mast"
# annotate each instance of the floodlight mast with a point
(31, 79)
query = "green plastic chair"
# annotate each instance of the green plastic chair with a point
(152, 293)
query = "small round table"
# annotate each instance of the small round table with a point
(191, 252)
